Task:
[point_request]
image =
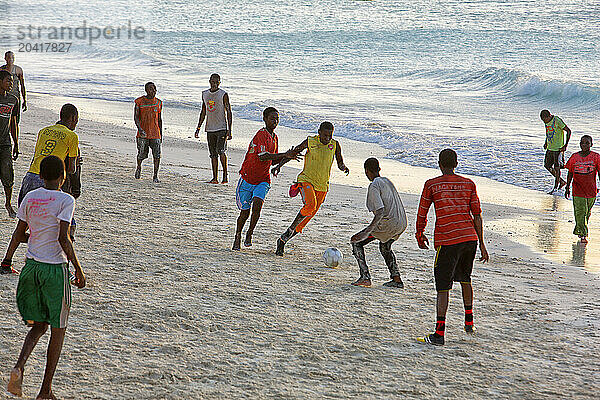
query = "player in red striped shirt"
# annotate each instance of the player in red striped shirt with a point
(458, 227)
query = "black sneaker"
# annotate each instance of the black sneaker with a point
(280, 246)
(394, 284)
(433, 339)
(469, 329)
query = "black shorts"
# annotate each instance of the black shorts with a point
(7, 172)
(554, 159)
(217, 143)
(454, 263)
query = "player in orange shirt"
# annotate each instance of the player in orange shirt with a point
(458, 227)
(148, 119)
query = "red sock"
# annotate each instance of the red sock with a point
(440, 326)
(469, 315)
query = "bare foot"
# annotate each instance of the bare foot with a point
(213, 181)
(11, 211)
(138, 173)
(237, 242)
(50, 396)
(362, 282)
(16, 382)
(584, 240)
(156, 179)
(563, 183)
(248, 240)
(225, 181)
(552, 191)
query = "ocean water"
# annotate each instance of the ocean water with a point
(412, 76)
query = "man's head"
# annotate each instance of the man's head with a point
(214, 81)
(271, 118)
(585, 143)
(447, 160)
(9, 57)
(545, 116)
(69, 116)
(325, 132)
(372, 168)
(6, 80)
(150, 88)
(52, 171)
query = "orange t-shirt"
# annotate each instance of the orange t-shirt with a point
(455, 200)
(150, 110)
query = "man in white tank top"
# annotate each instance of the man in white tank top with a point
(18, 88)
(217, 111)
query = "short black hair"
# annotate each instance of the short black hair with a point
(148, 84)
(268, 111)
(448, 158)
(216, 76)
(326, 125)
(67, 111)
(52, 168)
(372, 164)
(4, 74)
(544, 114)
(587, 137)
(8, 52)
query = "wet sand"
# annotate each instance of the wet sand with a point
(171, 313)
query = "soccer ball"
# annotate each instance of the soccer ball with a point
(332, 257)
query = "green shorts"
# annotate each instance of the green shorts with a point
(44, 293)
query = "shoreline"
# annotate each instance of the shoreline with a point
(170, 312)
(511, 213)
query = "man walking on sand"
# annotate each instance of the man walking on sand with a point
(389, 221)
(147, 115)
(18, 78)
(9, 129)
(555, 146)
(217, 111)
(313, 181)
(255, 181)
(43, 291)
(458, 227)
(583, 168)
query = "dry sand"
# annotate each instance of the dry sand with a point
(171, 313)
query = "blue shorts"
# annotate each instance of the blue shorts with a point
(245, 192)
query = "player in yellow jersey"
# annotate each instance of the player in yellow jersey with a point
(313, 181)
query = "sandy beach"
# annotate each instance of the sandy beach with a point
(171, 313)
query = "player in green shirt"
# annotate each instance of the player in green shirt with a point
(555, 146)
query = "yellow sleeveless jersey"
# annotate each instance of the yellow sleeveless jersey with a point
(317, 163)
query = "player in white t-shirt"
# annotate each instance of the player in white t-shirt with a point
(389, 221)
(43, 292)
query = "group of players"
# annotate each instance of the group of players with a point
(43, 292)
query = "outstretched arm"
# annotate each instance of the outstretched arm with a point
(340, 159)
(297, 150)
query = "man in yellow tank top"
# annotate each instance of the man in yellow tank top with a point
(313, 181)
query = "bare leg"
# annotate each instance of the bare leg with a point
(57, 338)
(223, 158)
(156, 165)
(442, 302)
(7, 204)
(214, 163)
(256, 208)
(138, 171)
(237, 241)
(16, 376)
(467, 293)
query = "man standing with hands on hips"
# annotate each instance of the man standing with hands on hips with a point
(217, 111)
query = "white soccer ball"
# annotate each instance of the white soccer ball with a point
(332, 257)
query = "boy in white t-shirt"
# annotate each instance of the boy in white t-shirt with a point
(389, 221)
(43, 292)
